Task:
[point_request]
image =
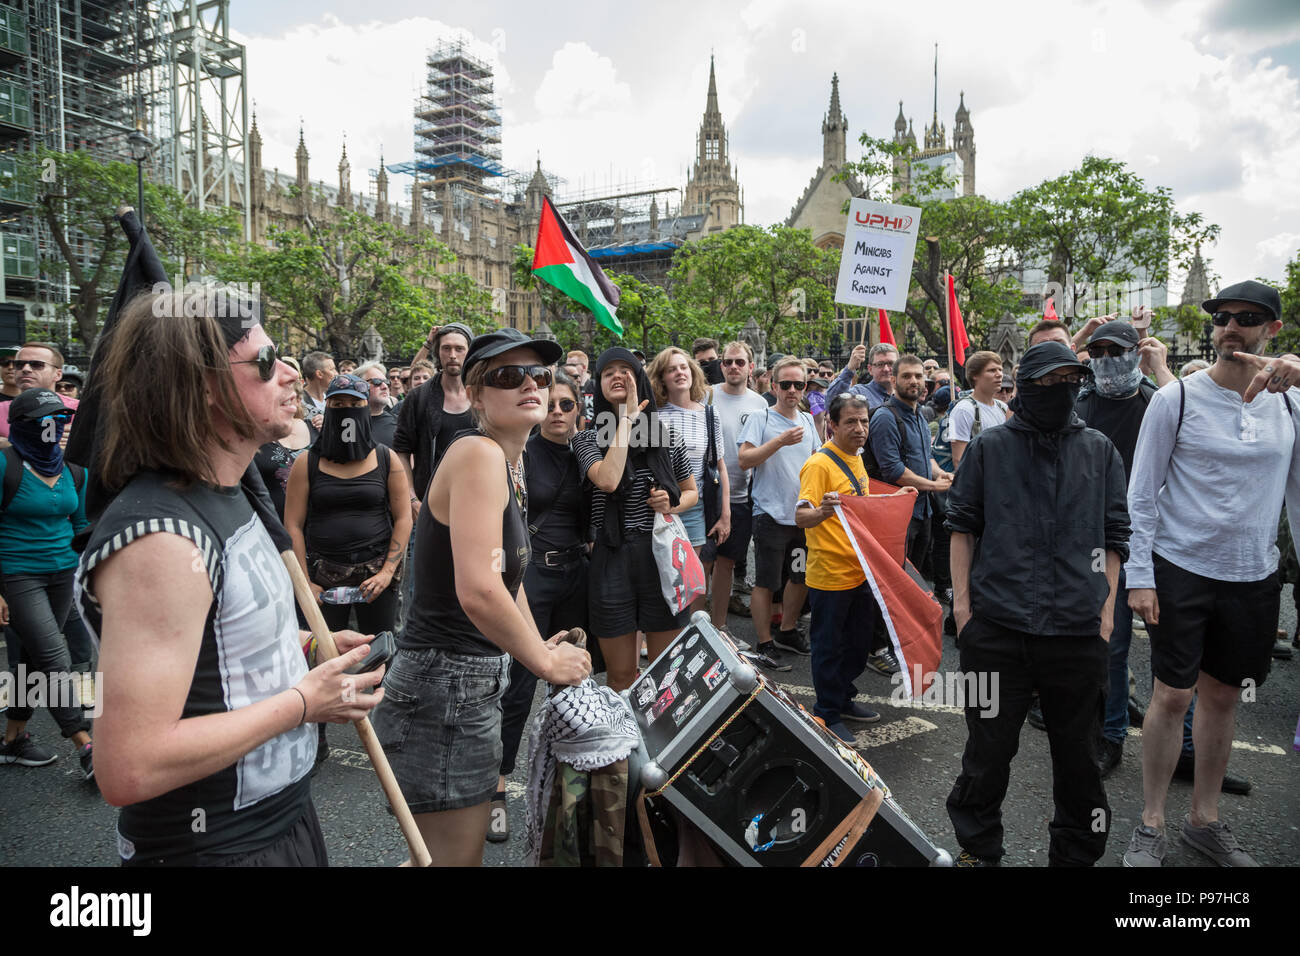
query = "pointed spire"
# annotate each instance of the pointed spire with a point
(900, 124)
(834, 111)
(936, 84)
(711, 106)
(962, 112)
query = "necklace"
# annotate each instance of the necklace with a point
(521, 489)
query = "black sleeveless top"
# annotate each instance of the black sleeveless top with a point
(348, 519)
(436, 619)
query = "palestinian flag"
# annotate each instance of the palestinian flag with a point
(877, 528)
(561, 262)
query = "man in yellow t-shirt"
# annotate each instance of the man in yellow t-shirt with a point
(843, 608)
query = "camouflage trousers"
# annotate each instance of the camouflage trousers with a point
(586, 817)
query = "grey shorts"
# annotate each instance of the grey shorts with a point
(440, 726)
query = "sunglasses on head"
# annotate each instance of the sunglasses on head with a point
(265, 362)
(566, 405)
(1247, 320)
(1104, 349)
(512, 376)
(786, 386)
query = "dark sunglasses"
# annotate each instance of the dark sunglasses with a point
(1247, 320)
(377, 381)
(727, 363)
(265, 362)
(1104, 349)
(786, 386)
(566, 405)
(36, 364)
(65, 386)
(512, 376)
(6, 363)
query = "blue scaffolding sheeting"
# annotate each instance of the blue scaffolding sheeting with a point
(622, 250)
(490, 166)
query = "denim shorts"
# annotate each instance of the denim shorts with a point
(693, 521)
(440, 726)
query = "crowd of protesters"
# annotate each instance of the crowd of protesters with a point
(499, 492)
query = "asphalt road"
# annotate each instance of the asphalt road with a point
(50, 817)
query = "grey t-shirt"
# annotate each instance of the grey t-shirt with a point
(776, 481)
(733, 411)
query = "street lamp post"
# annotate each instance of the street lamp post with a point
(141, 149)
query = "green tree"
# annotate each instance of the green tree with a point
(1100, 223)
(776, 276)
(80, 208)
(1288, 340)
(329, 281)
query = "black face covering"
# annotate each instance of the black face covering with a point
(1047, 408)
(713, 371)
(345, 434)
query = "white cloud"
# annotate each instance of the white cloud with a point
(619, 101)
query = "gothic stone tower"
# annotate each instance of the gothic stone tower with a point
(712, 189)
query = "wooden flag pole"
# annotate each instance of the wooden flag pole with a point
(325, 650)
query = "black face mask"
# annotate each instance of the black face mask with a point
(713, 371)
(1047, 408)
(345, 434)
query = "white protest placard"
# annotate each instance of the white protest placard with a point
(876, 262)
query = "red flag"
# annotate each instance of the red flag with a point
(1049, 311)
(958, 328)
(877, 529)
(886, 333)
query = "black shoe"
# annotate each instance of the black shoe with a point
(795, 641)
(23, 751)
(883, 662)
(767, 656)
(1036, 715)
(1281, 649)
(969, 860)
(499, 820)
(950, 625)
(1186, 770)
(1109, 755)
(855, 711)
(87, 758)
(1136, 715)
(737, 605)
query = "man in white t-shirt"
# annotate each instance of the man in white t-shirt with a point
(734, 403)
(984, 373)
(776, 445)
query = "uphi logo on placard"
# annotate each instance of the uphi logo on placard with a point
(881, 221)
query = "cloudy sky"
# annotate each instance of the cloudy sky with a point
(1201, 96)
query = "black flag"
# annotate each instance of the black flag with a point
(141, 273)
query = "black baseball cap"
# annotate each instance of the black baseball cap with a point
(1256, 293)
(1046, 357)
(1120, 332)
(454, 327)
(35, 404)
(501, 341)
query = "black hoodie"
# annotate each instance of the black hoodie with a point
(1044, 509)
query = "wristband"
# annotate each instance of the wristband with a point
(304, 706)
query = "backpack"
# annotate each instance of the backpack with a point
(941, 447)
(14, 476)
(868, 457)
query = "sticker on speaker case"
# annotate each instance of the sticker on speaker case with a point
(677, 662)
(691, 643)
(696, 663)
(687, 707)
(668, 678)
(715, 675)
(645, 692)
(665, 701)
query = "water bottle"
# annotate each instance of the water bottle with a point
(343, 596)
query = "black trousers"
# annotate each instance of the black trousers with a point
(918, 543)
(940, 546)
(1070, 674)
(558, 599)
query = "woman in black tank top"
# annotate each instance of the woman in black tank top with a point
(440, 720)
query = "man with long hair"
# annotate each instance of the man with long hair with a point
(204, 740)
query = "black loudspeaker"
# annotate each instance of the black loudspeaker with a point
(752, 770)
